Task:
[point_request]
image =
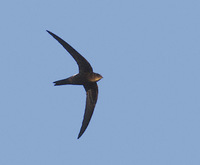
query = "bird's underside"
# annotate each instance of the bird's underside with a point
(85, 77)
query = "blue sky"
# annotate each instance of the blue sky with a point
(148, 111)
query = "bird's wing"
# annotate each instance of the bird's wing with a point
(83, 64)
(91, 99)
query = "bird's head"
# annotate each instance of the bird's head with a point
(96, 77)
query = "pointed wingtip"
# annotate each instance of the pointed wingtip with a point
(82, 130)
(79, 135)
(48, 31)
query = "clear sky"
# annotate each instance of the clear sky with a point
(148, 111)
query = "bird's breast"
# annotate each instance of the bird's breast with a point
(93, 77)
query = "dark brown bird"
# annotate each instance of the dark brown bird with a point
(85, 77)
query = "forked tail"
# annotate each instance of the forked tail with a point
(62, 82)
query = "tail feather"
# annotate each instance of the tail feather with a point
(62, 82)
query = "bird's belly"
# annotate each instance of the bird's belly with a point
(79, 79)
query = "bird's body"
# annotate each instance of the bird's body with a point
(85, 77)
(79, 79)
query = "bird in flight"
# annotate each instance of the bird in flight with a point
(85, 77)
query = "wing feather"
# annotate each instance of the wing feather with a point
(91, 99)
(83, 64)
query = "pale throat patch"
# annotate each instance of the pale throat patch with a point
(95, 78)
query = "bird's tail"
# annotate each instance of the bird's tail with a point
(62, 82)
